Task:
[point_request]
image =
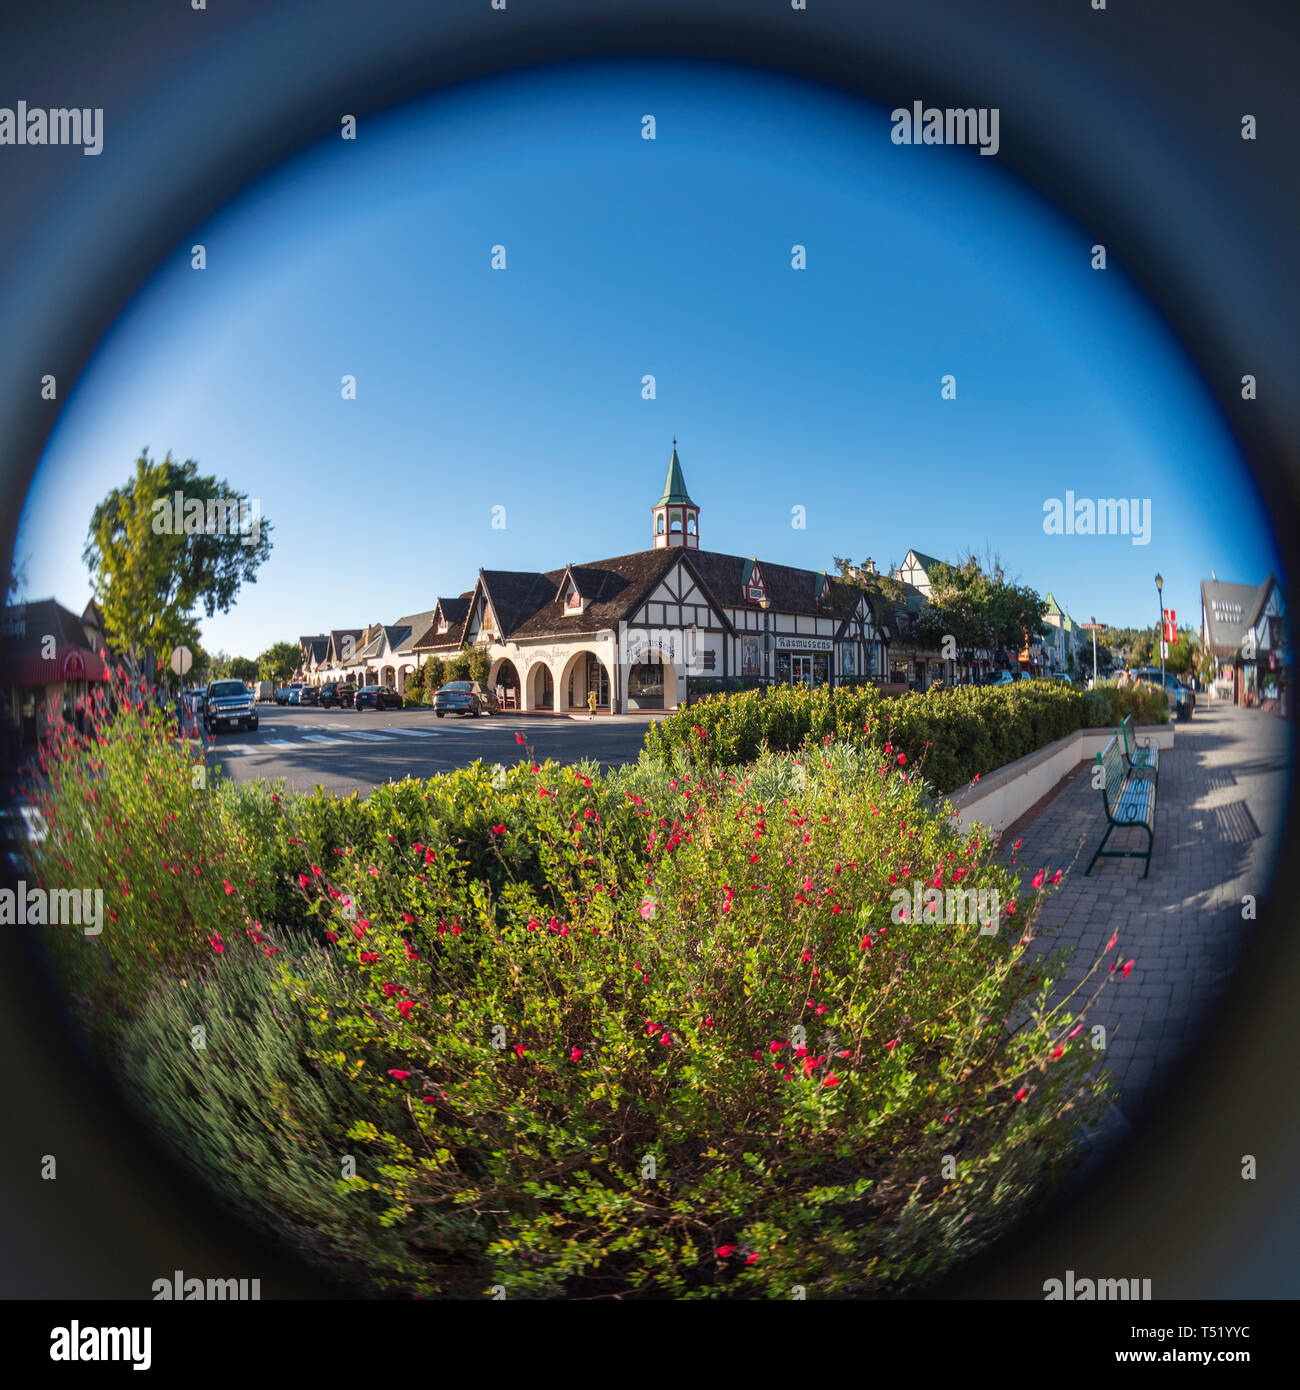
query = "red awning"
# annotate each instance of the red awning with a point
(67, 664)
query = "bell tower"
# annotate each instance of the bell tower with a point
(676, 517)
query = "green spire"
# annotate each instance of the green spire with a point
(675, 483)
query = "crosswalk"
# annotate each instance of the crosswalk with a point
(308, 735)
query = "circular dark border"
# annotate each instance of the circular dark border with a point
(1128, 119)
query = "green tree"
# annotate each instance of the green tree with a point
(242, 669)
(279, 661)
(979, 607)
(151, 570)
(1182, 652)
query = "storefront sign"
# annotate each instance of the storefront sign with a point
(787, 643)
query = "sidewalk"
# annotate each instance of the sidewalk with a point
(1220, 810)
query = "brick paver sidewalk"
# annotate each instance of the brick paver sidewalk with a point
(1219, 818)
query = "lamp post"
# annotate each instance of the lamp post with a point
(1160, 595)
(765, 604)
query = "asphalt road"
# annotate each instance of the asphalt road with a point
(346, 751)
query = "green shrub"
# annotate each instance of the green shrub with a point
(555, 1017)
(1106, 704)
(262, 1123)
(951, 733)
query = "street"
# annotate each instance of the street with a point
(344, 751)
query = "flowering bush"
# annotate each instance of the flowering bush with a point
(666, 1032)
(952, 734)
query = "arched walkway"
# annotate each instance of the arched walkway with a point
(388, 677)
(583, 671)
(503, 679)
(539, 689)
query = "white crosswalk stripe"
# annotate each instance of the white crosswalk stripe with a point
(414, 733)
(322, 738)
(277, 743)
(373, 738)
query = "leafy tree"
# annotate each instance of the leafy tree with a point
(1182, 652)
(150, 569)
(242, 669)
(435, 674)
(979, 607)
(279, 661)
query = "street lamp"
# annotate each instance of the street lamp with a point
(1160, 595)
(765, 604)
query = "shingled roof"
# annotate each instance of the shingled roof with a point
(454, 611)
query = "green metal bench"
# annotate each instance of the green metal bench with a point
(1142, 757)
(1130, 804)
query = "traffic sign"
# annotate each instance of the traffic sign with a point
(182, 660)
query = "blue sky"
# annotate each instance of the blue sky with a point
(522, 388)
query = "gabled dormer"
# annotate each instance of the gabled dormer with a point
(573, 601)
(753, 587)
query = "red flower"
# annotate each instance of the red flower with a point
(1127, 968)
(727, 1251)
(519, 1049)
(902, 759)
(1037, 879)
(575, 1054)
(498, 830)
(367, 957)
(519, 739)
(893, 1042)
(216, 943)
(831, 1080)
(228, 887)
(1111, 942)
(1022, 1093)
(398, 1075)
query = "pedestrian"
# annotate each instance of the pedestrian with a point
(591, 702)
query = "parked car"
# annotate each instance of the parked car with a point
(228, 705)
(377, 697)
(338, 695)
(284, 695)
(1182, 701)
(308, 695)
(265, 691)
(1006, 677)
(465, 697)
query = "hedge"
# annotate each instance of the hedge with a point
(951, 734)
